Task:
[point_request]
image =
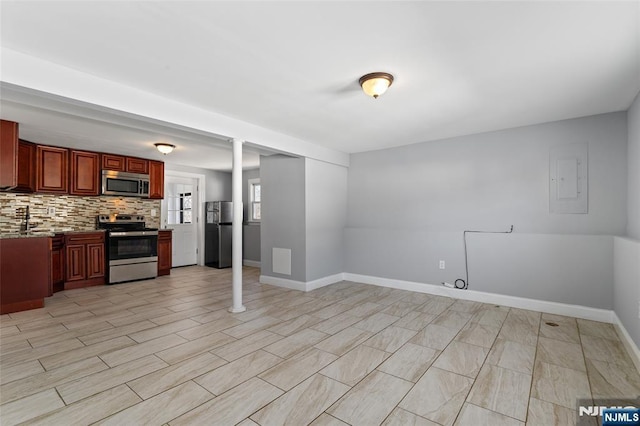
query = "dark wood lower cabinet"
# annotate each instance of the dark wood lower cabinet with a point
(24, 273)
(84, 260)
(75, 255)
(57, 264)
(164, 252)
(95, 260)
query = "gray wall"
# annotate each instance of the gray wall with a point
(326, 218)
(250, 232)
(633, 157)
(408, 206)
(572, 269)
(626, 291)
(492, 180)
(246, 175)
(251, 242)
(283, 213)
(218, 184)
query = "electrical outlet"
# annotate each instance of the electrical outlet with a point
(441, 264)
(51, 211)
(154, 212)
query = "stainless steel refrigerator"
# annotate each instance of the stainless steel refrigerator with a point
(217, 233)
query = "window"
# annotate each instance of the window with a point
(179, 204)
(254, 200)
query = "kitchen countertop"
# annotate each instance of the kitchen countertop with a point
(37, 233)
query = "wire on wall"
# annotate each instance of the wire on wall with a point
(461, 284)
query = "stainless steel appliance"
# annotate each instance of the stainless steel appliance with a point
(217, 233)
(125, 184)
(132, 248)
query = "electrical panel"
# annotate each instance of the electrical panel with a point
(568, 179)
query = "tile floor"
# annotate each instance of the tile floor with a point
(166, 351)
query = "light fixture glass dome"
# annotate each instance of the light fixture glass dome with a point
(376, 83)
(165, 148)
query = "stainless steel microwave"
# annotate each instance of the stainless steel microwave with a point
(125, 184)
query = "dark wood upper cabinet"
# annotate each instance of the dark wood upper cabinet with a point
(8, 154)
(156, 179)
(26, 167)
(121, 163)
(137, 165)
(113, 162)
(52, 166)
(85, 173)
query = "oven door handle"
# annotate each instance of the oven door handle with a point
(133, 233)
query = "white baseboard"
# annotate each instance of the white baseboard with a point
(627, 341)
(584, 312)
(254, 263)
(283, 282)
(301, 285)
(577, 311)
(325, 281)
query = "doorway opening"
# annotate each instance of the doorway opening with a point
(181, 213)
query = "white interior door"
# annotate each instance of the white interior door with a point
(181, 214)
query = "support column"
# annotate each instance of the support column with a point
(236, 241)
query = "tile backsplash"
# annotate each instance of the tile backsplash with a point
(72, 213)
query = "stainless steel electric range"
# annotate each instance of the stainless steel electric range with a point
(132, 248)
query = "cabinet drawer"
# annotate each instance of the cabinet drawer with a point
(84, 238)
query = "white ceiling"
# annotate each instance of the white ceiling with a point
(49, 120)
(293, 66)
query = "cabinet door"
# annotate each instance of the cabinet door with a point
(137, 165)
(164, 252)
(26, 167)
(85, 173)
(52, 166)
(113, 162)
(57, 270)
(156, 179)
(8, 153)
(57, 263)
(76, 262)
(24, 273)
(95, 260)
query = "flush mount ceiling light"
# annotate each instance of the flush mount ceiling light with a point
(165, 148)
(376, 83)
